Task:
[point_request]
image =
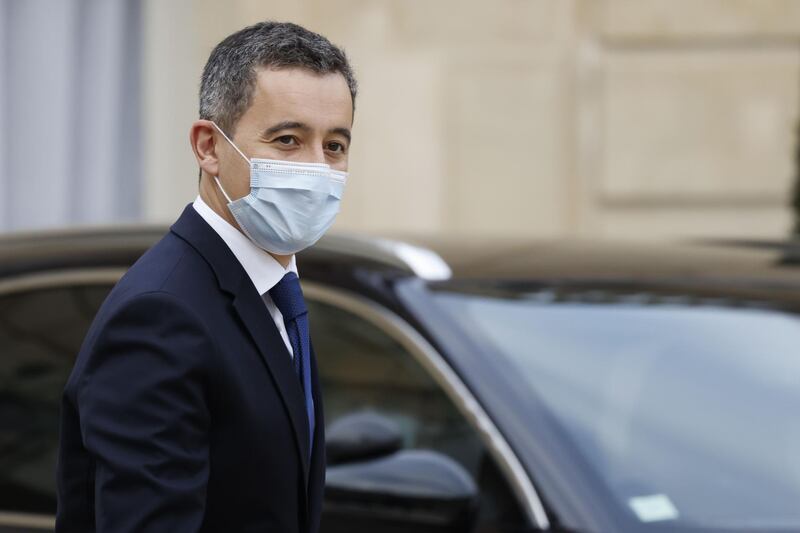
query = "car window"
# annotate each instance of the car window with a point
(40, 334)
(363, 368)
(682, 408)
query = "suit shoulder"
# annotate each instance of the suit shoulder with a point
(155, 298)
(151, 271)
(171, 266)
(166, 275)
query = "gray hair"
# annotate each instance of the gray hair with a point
(228, 81)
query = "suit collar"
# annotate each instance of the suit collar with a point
(263, 270)
(248, 304)
(191, 227)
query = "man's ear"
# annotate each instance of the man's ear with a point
(204, 146)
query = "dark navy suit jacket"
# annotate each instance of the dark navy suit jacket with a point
(183, 412)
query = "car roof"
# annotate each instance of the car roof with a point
(570, 258)
(107, 246)
(767, 263)
(75, 247)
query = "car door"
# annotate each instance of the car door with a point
(368, 364)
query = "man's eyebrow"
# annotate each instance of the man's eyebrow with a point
(293, 125)
(285, 125)
(344, 132)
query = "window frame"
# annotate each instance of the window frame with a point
(455, 389)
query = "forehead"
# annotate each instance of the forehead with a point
(298, 94)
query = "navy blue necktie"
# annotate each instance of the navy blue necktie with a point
(288, 298)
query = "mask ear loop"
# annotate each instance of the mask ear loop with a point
(231, 142)
(223, 190)
(235, 148)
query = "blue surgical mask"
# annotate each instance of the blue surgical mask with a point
(290, 205)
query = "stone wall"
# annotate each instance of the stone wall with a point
(534, 118)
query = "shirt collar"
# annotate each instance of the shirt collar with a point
(263, 270)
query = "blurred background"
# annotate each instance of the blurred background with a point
(640, 119)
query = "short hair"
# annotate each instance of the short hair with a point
(229, 76)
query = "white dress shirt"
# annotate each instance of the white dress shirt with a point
(262, 269)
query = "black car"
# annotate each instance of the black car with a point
(489, 387)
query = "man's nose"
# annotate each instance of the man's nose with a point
(316, 154)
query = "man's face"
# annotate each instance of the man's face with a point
(295, 115)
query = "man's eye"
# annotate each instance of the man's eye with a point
(336, 147)
(286, 140)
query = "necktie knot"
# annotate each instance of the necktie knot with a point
(288, 297)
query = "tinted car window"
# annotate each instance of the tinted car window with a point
(362, 368)
(685, 409)
(40, 334)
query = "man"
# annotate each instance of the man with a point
(194, 403)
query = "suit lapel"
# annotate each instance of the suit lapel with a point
(318, 459)
(256, 319)
(254, 315)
